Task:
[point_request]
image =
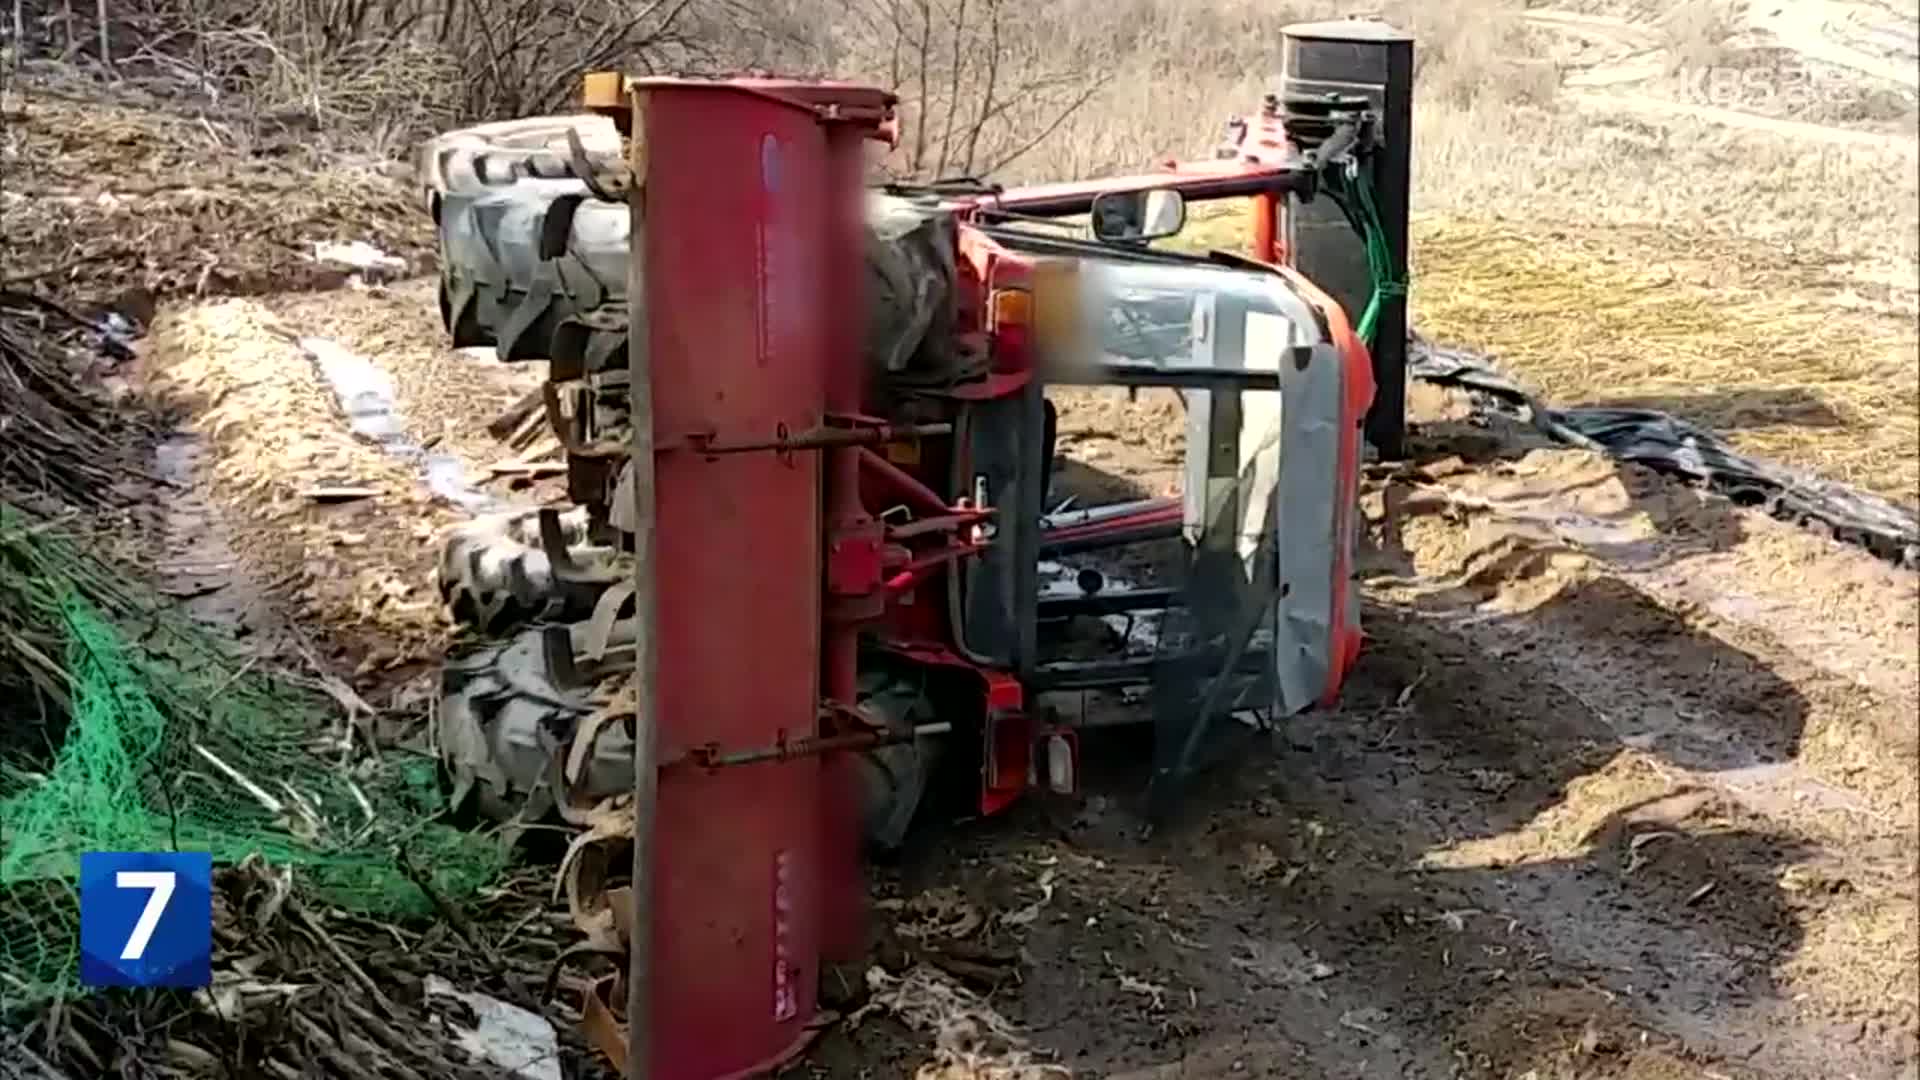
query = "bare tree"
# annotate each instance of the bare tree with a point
(976, 96)
(971, 102)
(400, 67)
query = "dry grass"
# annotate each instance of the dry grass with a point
(446, 399)
(1696, 33)
(274, 433)
(1756, 284)
(1811, 201)
(1788, 374)
(971, 1040)
(1860, 951)
(382, 73)
(1759, 284)
(1465, 56)
(1164, 76)
(1857, 952)
(1799, 362)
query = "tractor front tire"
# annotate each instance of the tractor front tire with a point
(494, 576)
(506, 717)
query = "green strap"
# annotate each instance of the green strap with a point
(1354, 194)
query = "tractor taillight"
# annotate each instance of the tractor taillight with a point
(1010, 322)
(1010, 307)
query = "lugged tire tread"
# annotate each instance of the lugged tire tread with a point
(494, 577)
(503, 716)
(496, 290)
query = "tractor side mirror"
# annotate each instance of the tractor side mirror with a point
(1135, 216)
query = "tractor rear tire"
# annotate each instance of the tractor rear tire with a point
(497, 290)
(496, 155)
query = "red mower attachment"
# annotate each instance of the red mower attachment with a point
(745, 252)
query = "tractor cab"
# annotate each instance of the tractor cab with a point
(1253, 614)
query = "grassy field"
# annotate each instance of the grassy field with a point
(1590, 205)
(1791, 362)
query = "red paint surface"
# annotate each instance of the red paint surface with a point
(854, 542)
(737, 338)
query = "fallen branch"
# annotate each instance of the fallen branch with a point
(312, 925)
(508, 423)
(260, 795)
(19, 1062)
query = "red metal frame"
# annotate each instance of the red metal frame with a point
(1344, 647)
(749, 244)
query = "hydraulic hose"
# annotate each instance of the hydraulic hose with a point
(1352, 190)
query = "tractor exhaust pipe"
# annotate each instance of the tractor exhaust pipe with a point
(1360, 58)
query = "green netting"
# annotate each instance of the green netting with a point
(152, 735)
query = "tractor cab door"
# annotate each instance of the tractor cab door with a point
(1264, 621)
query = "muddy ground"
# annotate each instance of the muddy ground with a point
(1623, 786)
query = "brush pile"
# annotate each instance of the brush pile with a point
(300, 991)
(66, 448)
(65, 443)
(345, 915)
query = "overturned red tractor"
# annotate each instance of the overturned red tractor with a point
(815, 559)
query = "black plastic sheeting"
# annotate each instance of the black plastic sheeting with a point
(1671, 445)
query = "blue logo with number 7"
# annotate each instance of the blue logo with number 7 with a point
(146, 918)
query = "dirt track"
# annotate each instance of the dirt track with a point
(1623, 787)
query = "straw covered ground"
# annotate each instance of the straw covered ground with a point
(1796, 363)
(339, 525)
(276, 445)
(107, 198)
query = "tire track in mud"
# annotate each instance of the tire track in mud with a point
(1714, 723)
(1812, 640)
(1295, 924)
(1757, 688)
